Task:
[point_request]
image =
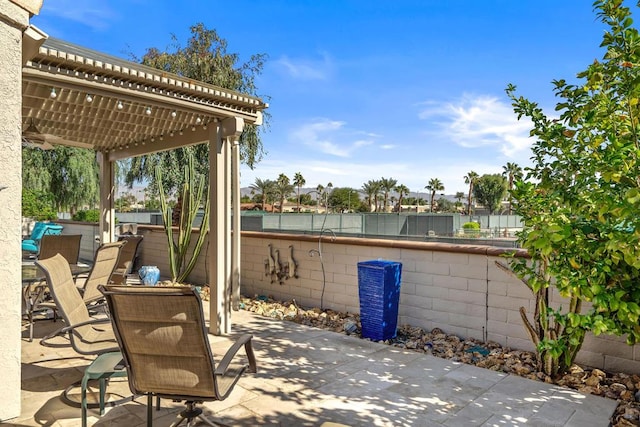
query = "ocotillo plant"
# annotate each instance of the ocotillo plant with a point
(181, 260)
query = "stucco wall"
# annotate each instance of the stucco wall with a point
(456, 288)
(12, 20)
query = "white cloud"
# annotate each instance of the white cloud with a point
(362, 143)
(329, 137)
(97, 15)
(480, 121)
(307, 69)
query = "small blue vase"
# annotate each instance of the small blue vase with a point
(149, 275)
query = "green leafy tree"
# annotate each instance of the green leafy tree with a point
(489, 190)
(87, 215)
(298, 181)
(344, 199)
(68, 174)
(283, 189)
(38, 205)
(434, 186)
(402, 191)
(459, 196)
(445, 205)
(264, 189)
(124, 203)
(581, 200)
(512, 172)
(470, 179)
(305, 199)
(204, 58)
(386, 186)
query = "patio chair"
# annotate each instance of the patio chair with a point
(88, 336)
(67, 245)
(103, 265)
(127, 259)
(166, 350)
(32, 244)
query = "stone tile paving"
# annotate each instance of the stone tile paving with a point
(308, 376)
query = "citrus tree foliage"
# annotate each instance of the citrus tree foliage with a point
(489, 190)
(581, 198)
(68, 174)
(204, 58)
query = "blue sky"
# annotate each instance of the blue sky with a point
(359, 90)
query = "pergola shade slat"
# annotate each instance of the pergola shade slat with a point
(130, 104)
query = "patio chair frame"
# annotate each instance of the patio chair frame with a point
(166, 350)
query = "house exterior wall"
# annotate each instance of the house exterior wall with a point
(13, 20)
(457, 288)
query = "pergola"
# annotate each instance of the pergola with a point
(82, 98)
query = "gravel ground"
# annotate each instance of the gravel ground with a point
(622, 387)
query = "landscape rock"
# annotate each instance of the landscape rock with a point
(489, 355)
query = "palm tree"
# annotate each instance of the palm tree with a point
(376, 196)
(402, 191)
(512, 172)
(470, 178)
(434, 185)
(263, 187)
(369, 189)
(319, 192)
(386, 186)
(374, 186)
(283, 189)
(299, 181)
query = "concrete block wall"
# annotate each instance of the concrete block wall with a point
(153, 251)
(89, 233)
(457, 288)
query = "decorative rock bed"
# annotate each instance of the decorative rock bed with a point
(624, 388)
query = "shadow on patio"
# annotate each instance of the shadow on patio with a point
(307, 376)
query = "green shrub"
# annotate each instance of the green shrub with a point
(91, 215)
(38, 205)
(471, 228)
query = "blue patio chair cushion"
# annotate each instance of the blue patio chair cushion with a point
(39, 230)
(29, 246)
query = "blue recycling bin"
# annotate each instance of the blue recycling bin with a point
(379, 291)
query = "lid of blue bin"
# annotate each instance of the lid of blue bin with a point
(379, 263)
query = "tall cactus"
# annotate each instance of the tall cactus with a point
(181, 261)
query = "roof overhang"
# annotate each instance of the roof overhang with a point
(79, 97)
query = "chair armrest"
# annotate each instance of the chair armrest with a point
(245, 340)
(77, 325)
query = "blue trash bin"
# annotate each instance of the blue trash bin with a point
(379, 291)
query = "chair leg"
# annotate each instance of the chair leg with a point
(149, 410)
(191, 414)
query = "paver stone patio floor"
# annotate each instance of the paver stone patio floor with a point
(307, 376)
